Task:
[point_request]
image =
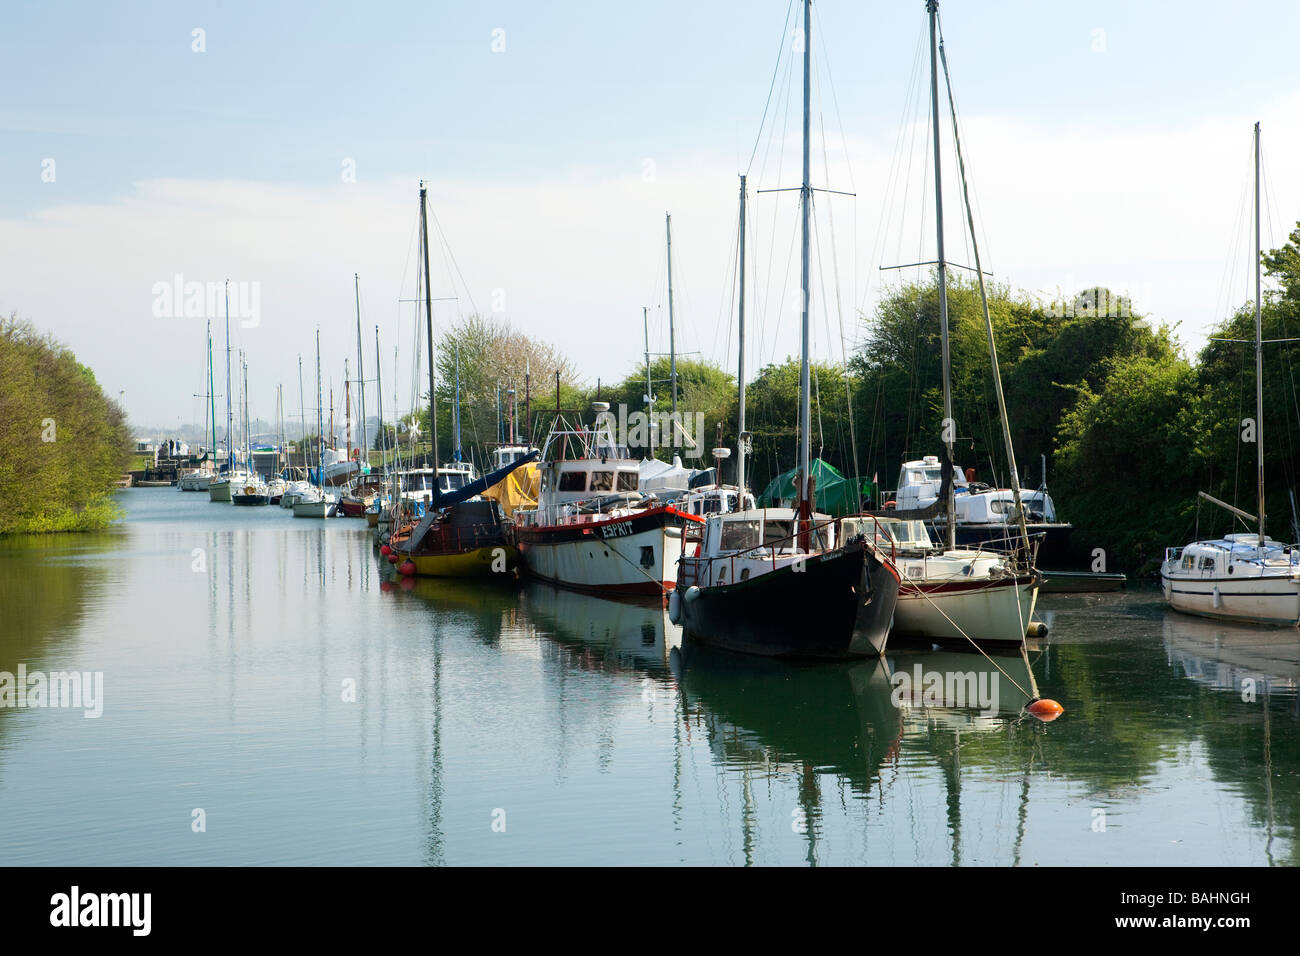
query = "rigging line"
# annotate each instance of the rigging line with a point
(957, 125)
(776, 67)
(830, 82)
(787, 89)
(839, 309)
(442, 236)
(885, 218)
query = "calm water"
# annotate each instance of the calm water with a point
(530, 726)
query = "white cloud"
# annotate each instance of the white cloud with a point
(576, 258)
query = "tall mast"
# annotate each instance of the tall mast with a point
(243, 401)
(361, 373)
(230, 415)
(672, 330)
(347, 409)
(740, 364)
(428, 322)
(302, 414)
(1259, 353)
(649, 385)
(528, 400)
(805, 204)
(500, 431)
(379, 387)
(212, 403)
(950, 524)
(455, 410)
(320, 421)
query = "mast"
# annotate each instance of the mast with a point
(428, 321)
(361, 373)
(302, 415)
(740, 364)
(805, 204)
(649, 385)
(230, 417)
(988, 327)
(950, 524)
(672, 331)
(320, 422)
(347, 409)
(455, 411)
(528, 399)
(379, 387)
(500, 432)
(243, 401)
(1259, 353)
(511, 412)
(212, 403)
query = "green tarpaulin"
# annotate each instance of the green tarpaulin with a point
(834, 493)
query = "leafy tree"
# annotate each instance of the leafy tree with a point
(63, 442)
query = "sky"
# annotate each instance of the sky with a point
(280, 146)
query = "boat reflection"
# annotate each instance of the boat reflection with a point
(626, 634)
(1233, 657)
(963, 690)
(825, 718)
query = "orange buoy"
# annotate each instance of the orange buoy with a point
(407, 567)
(1045, 710)
(385, 550)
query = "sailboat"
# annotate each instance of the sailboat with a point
(1246, 577)
(315, 502)
(951, 593)
(782, 582)
(197, 479)
(456, 537)
(254, 491)
(219, 489)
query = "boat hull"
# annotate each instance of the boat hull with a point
(834, 606)
(636, 554)
(477, 562)
(313, 509)
(1271, 600)
(988, 612)
(219, 491)
(250, 500)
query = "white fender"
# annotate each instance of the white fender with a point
(675, 606)
(692, 592)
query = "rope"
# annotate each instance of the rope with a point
(974, 644)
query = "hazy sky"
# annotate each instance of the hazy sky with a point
(1108, 143)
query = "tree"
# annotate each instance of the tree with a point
(63, 442)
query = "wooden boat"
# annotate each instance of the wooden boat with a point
(754, 588)
(468, 540)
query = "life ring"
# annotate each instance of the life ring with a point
(888, 505)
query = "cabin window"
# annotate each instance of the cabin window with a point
(712, 506)
(777, 534)
(648, 557)
(627, 480)
(1189, 562)
(573, 481)
(602, 481)
(1000, 507)
(739, 535)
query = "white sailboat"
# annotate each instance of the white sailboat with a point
(1250, 578)
(220, 488)
(315, 501)
(951, 593)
